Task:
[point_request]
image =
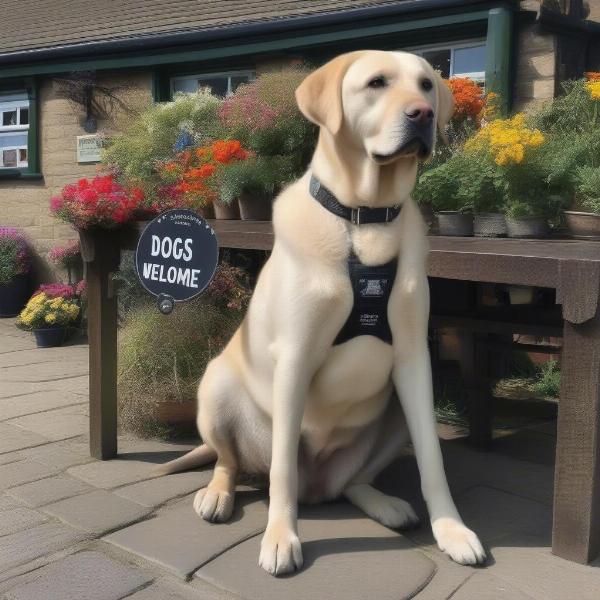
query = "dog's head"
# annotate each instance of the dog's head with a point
(388, 104)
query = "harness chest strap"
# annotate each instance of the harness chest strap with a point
(371, 285)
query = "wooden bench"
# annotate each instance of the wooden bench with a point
(572, 268)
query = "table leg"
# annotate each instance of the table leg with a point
(102, 336)
(576, 524)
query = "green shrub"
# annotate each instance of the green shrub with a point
(587, 187)
(548, 380)
(14, 254)
(162, 358)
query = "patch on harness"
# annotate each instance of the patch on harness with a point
(371, 288)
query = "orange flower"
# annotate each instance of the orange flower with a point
(468, 97)
(224, 151)
(592, 75)
(170, 167)
(202, 152)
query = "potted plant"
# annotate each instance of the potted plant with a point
(440, 188)
(265, 117)
(585, 224)
(15, 266)
(50, 313)
(68, 257)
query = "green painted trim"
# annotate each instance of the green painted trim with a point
(33, 141)
(160, 86)
(499, 56)
(265, 45)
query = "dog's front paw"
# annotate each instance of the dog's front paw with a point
(280, 550)
(214, 506)
(458, 542)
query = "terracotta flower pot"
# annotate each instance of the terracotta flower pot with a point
(489, 225)
(14, 295)
(179, 414)
(527, 227)
(255, 208)
(583, 225)
(454, 223)
(226, 211)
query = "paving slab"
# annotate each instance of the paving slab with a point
(155, 492)
(57, 424)
(14, 343)
(114, 473)
(14, 438)
(24, 471)
(50, 489)
(35, 356)
(16, 519)
(62, 455)
(29, 544)
(6, 502)
(76, 385)
(96, 512)
(45, 372)
(10, 457)
(171, 590)
(346, 555)
(530, 566)
(484, 586)
(82, 576)
(180, 541)
(36, 403)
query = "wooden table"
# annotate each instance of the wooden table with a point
(572, 268)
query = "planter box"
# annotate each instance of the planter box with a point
(228, 212)
(454, 223)
(527, 227)
(14, 295)
(583, 225)
(50, 337)
(489, 225)
(255, 208)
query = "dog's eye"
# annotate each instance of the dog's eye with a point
(426, 84)
(377, 82)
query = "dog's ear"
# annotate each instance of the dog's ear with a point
(445, 107)
(319, 96)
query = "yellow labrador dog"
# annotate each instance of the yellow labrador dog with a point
(288, 396)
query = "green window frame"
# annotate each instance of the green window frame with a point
(32, 170)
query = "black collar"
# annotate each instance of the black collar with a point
(362, 215)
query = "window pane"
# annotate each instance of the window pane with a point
(9, 117)
(23, 156)
(14, 139)
(236, 80)
(9, 158)
(24, 116)
(186, 86)
(469, 60)
(217, 85)
(439, 60)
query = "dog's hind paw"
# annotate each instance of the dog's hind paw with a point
(214, 506)
(280, 551)
(460, 543)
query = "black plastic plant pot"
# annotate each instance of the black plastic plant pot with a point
(14, 295)
(454, 223)
(50, 337)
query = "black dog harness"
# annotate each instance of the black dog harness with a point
(371, 285)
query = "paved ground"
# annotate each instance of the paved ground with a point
(75, 529)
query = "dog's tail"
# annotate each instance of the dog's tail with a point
(198, 457)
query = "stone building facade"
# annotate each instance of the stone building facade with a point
(138, 58)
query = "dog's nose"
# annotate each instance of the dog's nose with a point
(420, 113)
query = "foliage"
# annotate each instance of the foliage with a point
(14, 254)
(163, 358)
(44, 310)
(587, 181)
(547, 382)
(263, 114)
(66, 256)
(100, 202)
(193, 176)
(154, 137)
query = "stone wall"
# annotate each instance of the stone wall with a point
(24, 204)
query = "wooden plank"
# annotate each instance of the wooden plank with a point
(478, 324)
(104, 253)
(576, 523)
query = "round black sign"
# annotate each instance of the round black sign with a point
(177, 255)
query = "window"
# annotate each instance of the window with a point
(220, 84)
(14, 130)
(456, 60)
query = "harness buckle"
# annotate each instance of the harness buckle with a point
(355, 216)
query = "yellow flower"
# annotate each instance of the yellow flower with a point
(56, 303)
(50, 318)
(593, 87)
